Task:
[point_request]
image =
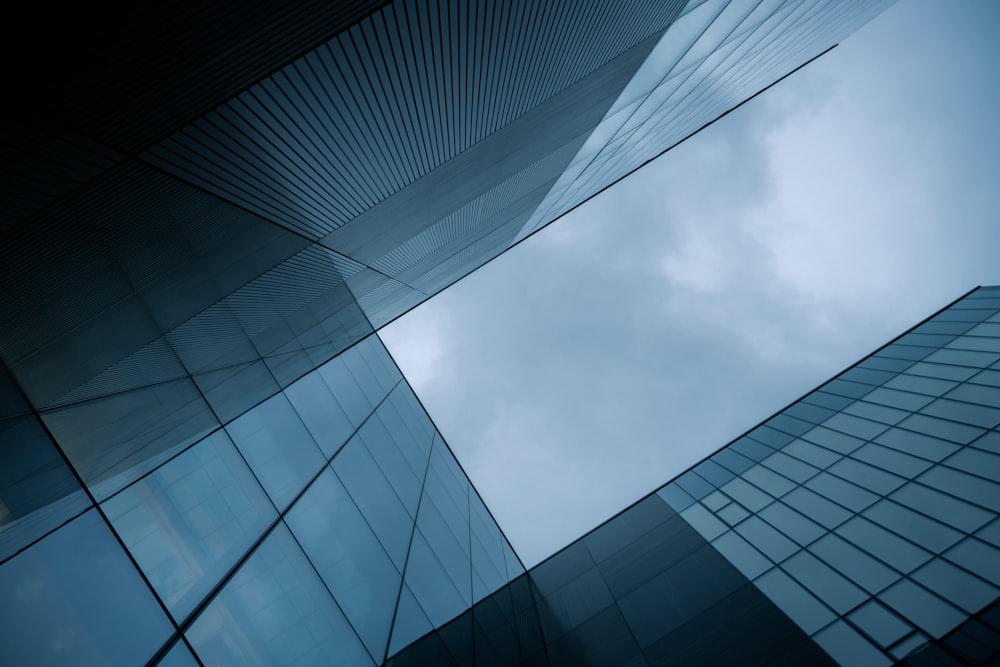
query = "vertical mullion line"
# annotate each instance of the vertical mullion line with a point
(480, 56)
(345, 139)
(352, 192)
(458, 91)
(500, 62)
(237, 155)
(455, 76)
(366, 133)
(522, 54)
(552, 45)
(383, 52)
(197, 151)
(546, 60)
(451, 77)
(492, 66)
(420, 78)
(321, 195)
(433, 45)
(408, 83)
(171, 640)
(467, 22)
(404, 83)
(473, 59)
(307, 136)
(283, 140)
(378, 109)
(422, 21)
(253, 133)
(561, 41)
(409, 548)
(512, 82)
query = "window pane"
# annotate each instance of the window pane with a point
(278, 448)
(957, 586)
(738, 551)
(853, 563)
(190, 521)
(375, 498)
(888, 547)
(348, 556)
(75, 599)
(809, 613)
(38, 491)
(773, 544)
(823, 582)
(882, 625)
(275, 611)
(927, 533)
(927, 611)
(113, 441)
(320, 412)
(848, 647)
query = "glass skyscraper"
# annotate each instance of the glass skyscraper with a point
(207, 456)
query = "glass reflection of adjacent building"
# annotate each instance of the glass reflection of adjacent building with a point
(207, 456)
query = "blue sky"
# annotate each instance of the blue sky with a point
(644, 330)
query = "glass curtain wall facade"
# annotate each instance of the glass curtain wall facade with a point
(328, 524)
(860, 525)
(207, 210)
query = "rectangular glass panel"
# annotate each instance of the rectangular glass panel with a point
(276, 611)
(112, 441)
(349, 558)
(915, 527)
(279, 449)
(922, 608)
(188, 522)
(38, 491)
(74, 599)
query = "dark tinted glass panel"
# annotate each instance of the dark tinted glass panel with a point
(190, 521)
(38, 491)
(349, 558)
(279, 449)
(430, 583)
(75, 599)
(178, 656)
(276, 611)
(375, 498)
(321, 413)
(112, 441)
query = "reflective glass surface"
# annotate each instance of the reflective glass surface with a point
(112, 441)
(194, 267)
(38, 491)
(278, 448)
(878, 501)
(276, 611)
(74, 598)
(349, 558)
(188, 523)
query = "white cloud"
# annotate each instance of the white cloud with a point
(682, 306)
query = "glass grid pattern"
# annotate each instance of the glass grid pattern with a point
(194, 391)
(314, 507)
(869, 511)
(342, 176)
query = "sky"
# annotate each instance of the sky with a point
(608, 353)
